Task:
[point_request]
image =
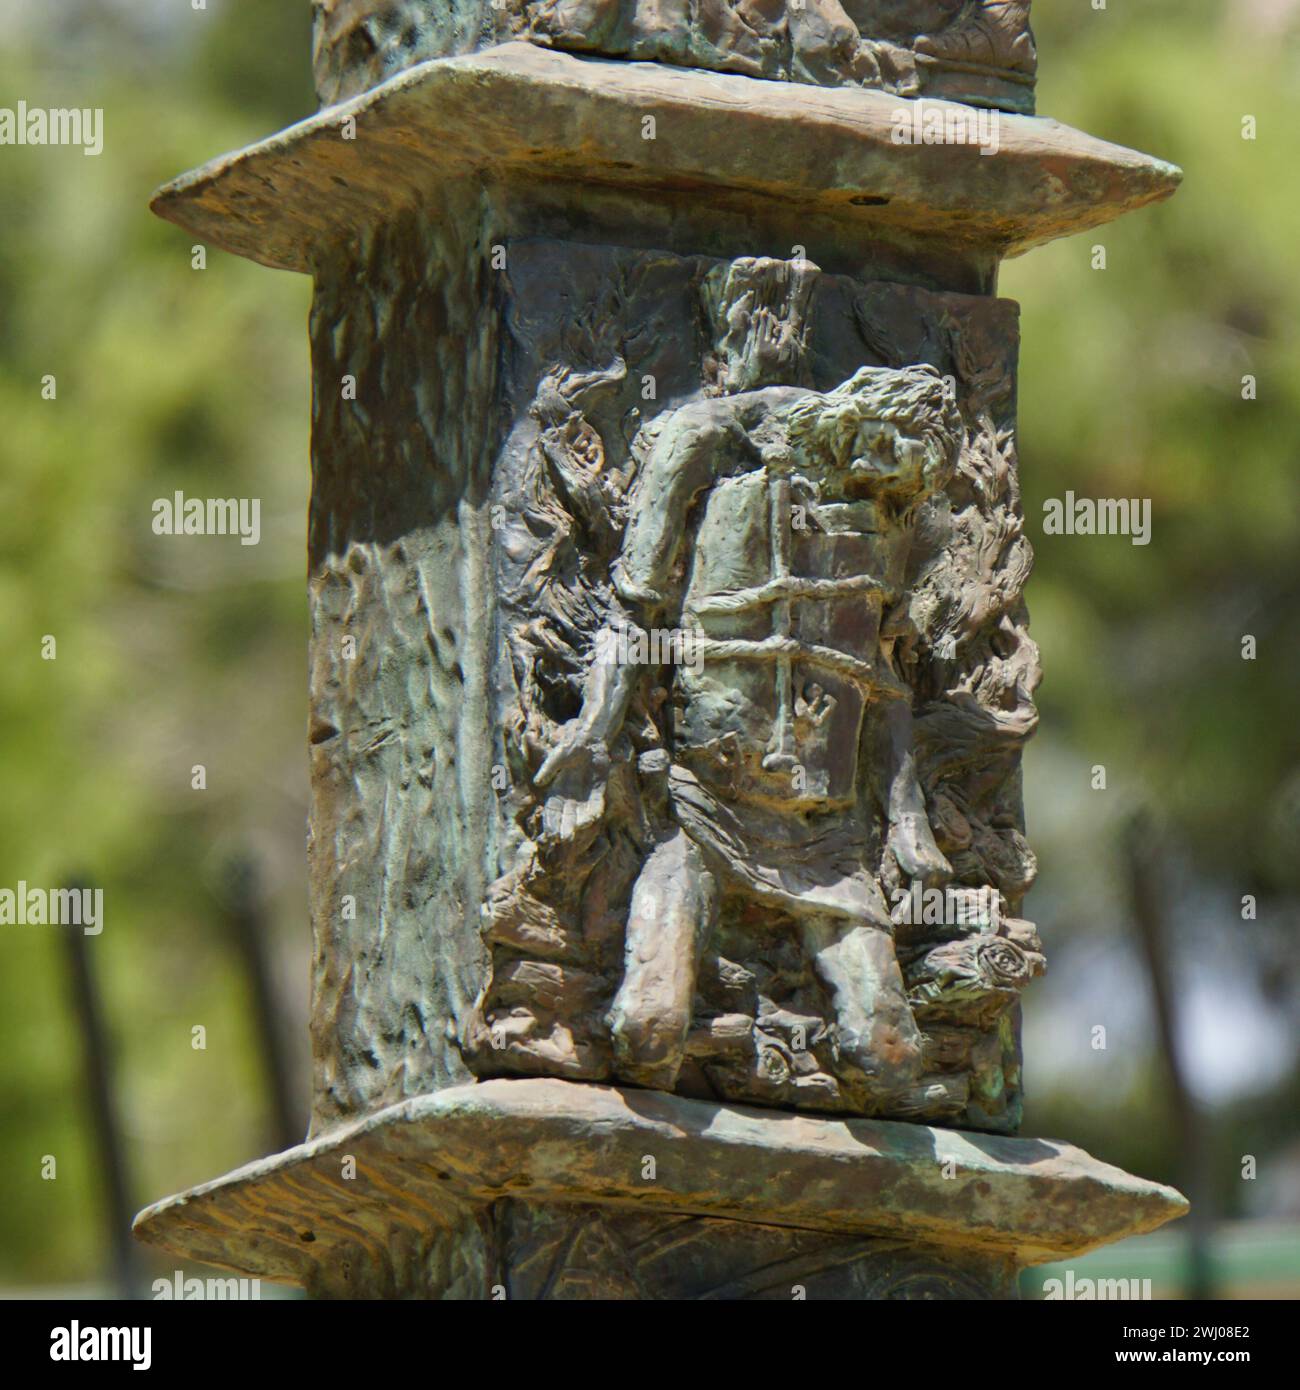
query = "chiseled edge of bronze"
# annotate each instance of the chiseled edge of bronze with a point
(431, 1161)
(523, 110)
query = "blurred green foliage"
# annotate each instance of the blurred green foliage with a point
(168, 656)
(1132, 387)
(172, 378)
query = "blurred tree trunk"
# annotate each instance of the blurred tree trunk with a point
(1149, 896)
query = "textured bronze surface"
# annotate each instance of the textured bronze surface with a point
(978, 51)
(670, 665)
(440, 1180)
(518, 113)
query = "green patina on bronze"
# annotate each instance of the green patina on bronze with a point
(670, 667)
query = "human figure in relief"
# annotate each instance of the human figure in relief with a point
(773, 527)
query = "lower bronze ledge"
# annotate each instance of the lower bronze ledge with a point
(532, 1189)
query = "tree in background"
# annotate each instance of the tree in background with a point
(171, 377)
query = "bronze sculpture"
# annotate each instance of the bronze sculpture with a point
(670, 667)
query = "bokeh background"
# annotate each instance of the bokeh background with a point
(171, 655)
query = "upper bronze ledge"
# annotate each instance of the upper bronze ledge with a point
(520, 110)
(421, 1163)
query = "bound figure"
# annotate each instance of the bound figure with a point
(769, 532)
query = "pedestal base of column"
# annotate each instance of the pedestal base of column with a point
(546, 1189)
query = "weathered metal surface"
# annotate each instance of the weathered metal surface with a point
(519, 113)
(675, 900)
(449, 1166)
(401, 719)
(610, 350)
(473, 904)
(981, 52)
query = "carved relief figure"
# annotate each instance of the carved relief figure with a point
(717, 624)
(775, 525)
